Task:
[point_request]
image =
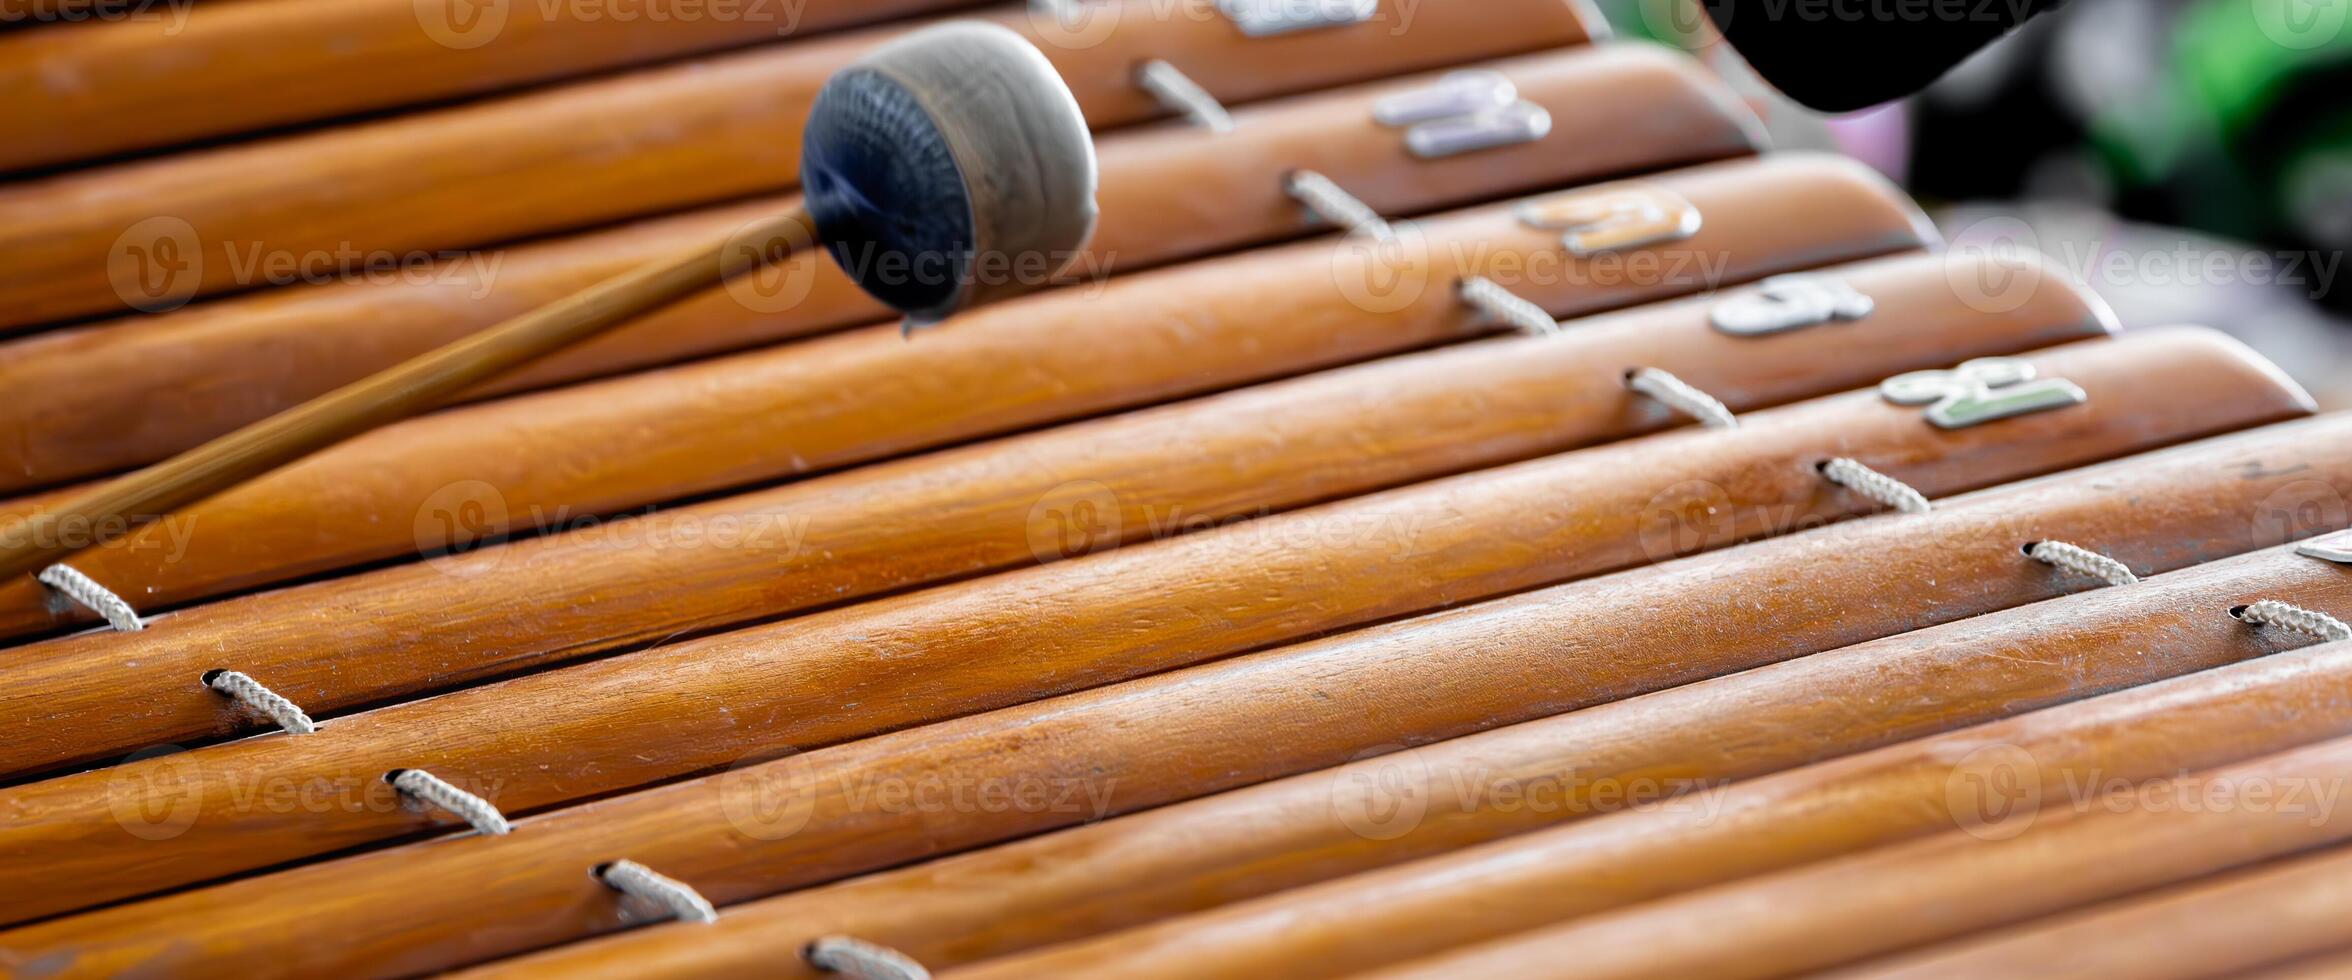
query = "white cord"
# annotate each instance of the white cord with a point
(2317, 625)
(633, 879)
(1678, 395)
(429, 788)
(1334, 204)
(1183, 96)
(87, 593)
(2081, 561)
(1506, 307)
(270, 704)
(1875, 485)
(858, 959)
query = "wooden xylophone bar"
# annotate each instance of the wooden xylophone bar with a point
(1467, 513)
(1166, 196)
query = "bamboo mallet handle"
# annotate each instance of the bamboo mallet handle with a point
(954, 148)
(405, 388)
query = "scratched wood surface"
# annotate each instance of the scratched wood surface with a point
(129, 391)
(735, 840)
(2233, 924)
(365, 638)
(613, 148)
(575, 454)
(1846, 909)
(1251, 842)
(1205, 553)
(193, 71)
(1710, 733)
(1436, 414)
(613, 724)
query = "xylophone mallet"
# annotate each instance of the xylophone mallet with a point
(944, 170)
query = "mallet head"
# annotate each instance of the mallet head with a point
(948, 169)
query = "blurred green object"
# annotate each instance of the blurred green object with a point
(2229, 116)
(2249, 132)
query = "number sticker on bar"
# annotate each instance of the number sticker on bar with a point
(1459, 93)
(1981, 390)
(1266, 18)
(2335, 547)
(1613, 218)
(1791, 302)
(1463, 112)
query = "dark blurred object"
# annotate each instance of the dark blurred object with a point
(2227, 116)
(1840, 55)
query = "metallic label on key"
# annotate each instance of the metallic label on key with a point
(1791, 302)
(1613, 218)
(1523, 122)
(1463, 112)
(2335, 547)
(1267, 18)
(1981, 390)
(1461, 93)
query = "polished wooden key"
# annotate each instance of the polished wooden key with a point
(2229, 925)
(565, 459)
(1001, 172)
(129, 391)
(1769, 459)
(372, 637)
(2134, 837)
(1679, 750)
(228, 68)
(151, 234)
(957, 910)
(1072, 624)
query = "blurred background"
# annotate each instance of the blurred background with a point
(2190, 159)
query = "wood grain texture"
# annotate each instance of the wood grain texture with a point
(612, 725)
(1700, 738)
(1256, 841)
(607, 149)
(396, 392)
(127, 392)
(219, 69)
(371, 637)
(2326, 966)
(577, 454)
(1062, 627)
(2138, 837)
(19, 14)
(2223, 927)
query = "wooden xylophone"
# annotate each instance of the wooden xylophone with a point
(1470, 511)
